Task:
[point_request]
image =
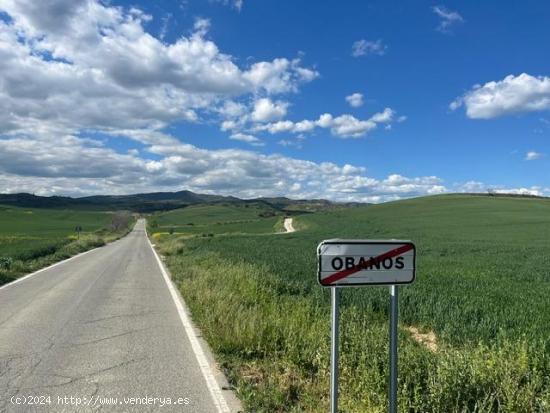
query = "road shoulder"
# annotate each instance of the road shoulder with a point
(222, 393)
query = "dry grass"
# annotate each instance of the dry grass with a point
(429, 339)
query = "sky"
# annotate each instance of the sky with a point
(365, 101)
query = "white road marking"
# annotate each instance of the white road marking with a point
(211, 383)
(32, 274)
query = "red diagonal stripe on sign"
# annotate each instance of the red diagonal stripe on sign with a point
(373, 261)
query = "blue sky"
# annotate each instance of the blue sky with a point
(367, 101)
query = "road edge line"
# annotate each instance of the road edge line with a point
(211, 382)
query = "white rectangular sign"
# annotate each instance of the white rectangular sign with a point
(365, 262)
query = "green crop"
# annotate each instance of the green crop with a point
(482, 289)
(33, 238)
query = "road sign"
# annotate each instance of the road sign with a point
(365, 262)
(349, 263)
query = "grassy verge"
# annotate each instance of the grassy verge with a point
(22, 253)
(482, 288)
(275, 347)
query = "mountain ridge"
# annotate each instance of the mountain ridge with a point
(161, 201)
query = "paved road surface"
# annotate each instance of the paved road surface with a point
(100, 326)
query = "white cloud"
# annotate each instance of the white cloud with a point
(94, 66)
(67, 157)
(266, 110)
(447, 18)
(71, 69)
(164, 27)
(231, 109)
(480, 187)
(536, 191)
(290, 143)
(303, 126)
(364, 47)
(513, 94)
(385, 116)
(297, 142)
(343, 126)
(75, 166)
(355, 100)
(276, 127)
(246, 138)
(532, 155)
(236, 4)
(279, 76)
(201, 26)
(348, 126)
(472, 186)
(325, 120)
(227, 125)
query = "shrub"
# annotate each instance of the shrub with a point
(120, 220)
(5, 263)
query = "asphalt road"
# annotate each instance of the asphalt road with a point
(101, 327)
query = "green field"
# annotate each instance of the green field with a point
(33, 238)
(218, 219)
(483, 288)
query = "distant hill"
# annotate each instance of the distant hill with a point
(505, 194)
(161, 201)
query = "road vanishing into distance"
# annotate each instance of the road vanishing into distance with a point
(103, 332)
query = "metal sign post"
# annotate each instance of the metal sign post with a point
(355, 263)
(394, 312)
(335, 296)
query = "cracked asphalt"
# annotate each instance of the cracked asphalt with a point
(100, 326)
